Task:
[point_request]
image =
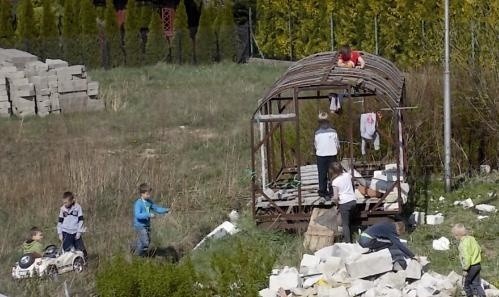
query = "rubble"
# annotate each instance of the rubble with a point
(348, 270)
(468, 203)
(31, 87)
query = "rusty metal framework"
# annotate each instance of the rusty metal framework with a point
(315, 78)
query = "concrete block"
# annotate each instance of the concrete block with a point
(369, 264)
(360, 286)
(323, 291)
(454, 278)
(325, 252)
(15, 75)
(287, 278)
(93, 88)
(18, 81)
(341, 277)
(69, 86)
(22, 107)
(56, 63)
(54, 102)
(73, 102)
(414, 269)
(388, 292)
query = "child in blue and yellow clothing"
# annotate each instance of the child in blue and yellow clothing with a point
(144, 209)
(470, 255)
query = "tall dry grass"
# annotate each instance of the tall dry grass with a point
(184, 130)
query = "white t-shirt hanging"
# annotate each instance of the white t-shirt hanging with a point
(343, 184)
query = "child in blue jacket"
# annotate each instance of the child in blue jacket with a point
(144, 209)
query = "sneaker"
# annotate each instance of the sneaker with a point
(322, 201)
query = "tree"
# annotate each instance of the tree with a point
(7, 36)
(206, 39)
(182, 42)
(227, 34)
(70, 32)
(156, 42)
(26, 26)
(133, 40)
(89, 39)
(48, 32)
(113, 53)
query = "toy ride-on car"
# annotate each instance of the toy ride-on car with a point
(52, 263)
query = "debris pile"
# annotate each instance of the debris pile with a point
(347, 270)
(30, 87)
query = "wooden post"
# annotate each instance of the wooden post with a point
(253, 171)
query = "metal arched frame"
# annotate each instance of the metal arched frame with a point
(320, 75)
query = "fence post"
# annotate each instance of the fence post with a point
(331, 23)
(376, 51)
(250, 39)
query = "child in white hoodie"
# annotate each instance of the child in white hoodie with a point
(70, 225)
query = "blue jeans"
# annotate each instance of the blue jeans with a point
(142, 241)
(473, 283)
(69, 241)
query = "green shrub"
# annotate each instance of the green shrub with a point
(118, 278)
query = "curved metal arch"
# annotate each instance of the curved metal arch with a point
(380, 76)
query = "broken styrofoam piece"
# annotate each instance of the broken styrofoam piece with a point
(310, 281)
(340, 277)
(234, 216)
(468, 203)
(441, 198)
(369, 264)
(392, 280)
(330, 266)
(454, 278)
(287, 278)
(267, 293)
(325, 252)
(417, 218)
(347, 250)
(414, 270)
(324, 291)
(308, 264)
(435, 219)
(486, 208)
(226, 228)
(360, 286)
(482, 217)
(441, 244)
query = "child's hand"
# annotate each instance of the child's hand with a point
(60, 237)
(151, 215)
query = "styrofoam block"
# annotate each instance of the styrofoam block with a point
(441, 244)
(486, 208)
(434, 219)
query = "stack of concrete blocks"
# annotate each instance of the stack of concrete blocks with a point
(29, 86)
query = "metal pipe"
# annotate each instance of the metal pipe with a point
(447, 106)
(262, 155)
(376, 34)
(298, 151)
(253, 171)
(250, 23)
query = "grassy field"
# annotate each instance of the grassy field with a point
(184, 130)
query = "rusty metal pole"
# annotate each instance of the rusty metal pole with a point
(447, 106)
(298, 151)
(350, 131)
